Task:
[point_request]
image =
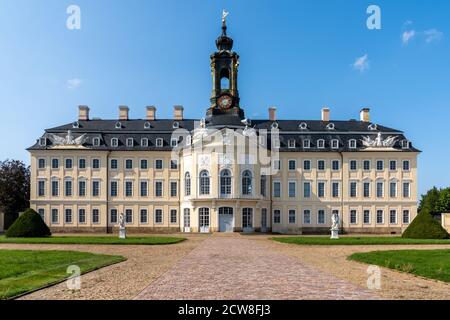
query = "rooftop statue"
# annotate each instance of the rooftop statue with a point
(378, 142)
(68, 140)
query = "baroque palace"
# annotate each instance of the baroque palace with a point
(224, 172)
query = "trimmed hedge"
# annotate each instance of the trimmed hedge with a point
(28, 225)
(425, 226)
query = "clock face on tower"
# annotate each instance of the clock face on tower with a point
(225, 102)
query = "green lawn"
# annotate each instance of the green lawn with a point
(434, 264)
(356, 241)
(22, 271)
(94, 240)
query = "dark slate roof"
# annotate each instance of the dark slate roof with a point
(344, 131)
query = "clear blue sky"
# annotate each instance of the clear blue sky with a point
(296, 55)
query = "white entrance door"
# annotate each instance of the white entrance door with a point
(247, 219)
(226, 219)
(203, 216)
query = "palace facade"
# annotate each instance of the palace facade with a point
(225, 172)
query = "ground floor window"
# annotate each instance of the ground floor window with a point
(321, 217)
(353, 217)
(406, 216)
(82, 216)
(187, 218)
(203, 218)
(306, 216)
(366, 216)
(95, 216)
(42, 214)
(277, 216)
(247, 218)
(129, 216)
(393, 216)
(173, 216)
(158, 216)
(379, 216)
(292, 215)
(55, 216)
(144, 216)
(113, 217)
(68, 215)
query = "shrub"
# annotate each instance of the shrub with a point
(425, 226)
(28, 225)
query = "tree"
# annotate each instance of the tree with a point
(443, 204)
(28, 225)
(430, 201)
(424, 226)
(14, 189)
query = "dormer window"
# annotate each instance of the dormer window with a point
(303, 126)
(174, 142)
(118, 125)
(114, 142)
(144, 142)
(291, 143)
(130, 142)
(306, 144)
(159, 142)
(42, 142)
(176, 125)
(147, 125)
(330, 126)
(76, 125)
(405, 144)
(352, 144)
(335, 144)
(96, 142)
(372, 127)
(321, 144)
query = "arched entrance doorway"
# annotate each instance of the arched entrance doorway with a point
(226, 219)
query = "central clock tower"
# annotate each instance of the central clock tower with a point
(224, 68)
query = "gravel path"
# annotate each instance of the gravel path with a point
(239, 268)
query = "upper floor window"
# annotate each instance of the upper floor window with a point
(69, 163)
(130, 142)
(114, 164)
(114, 142)
(321, 144)
(225, 182)
(55, 163)
(335, 165)
(204, 182)
(96, 142)
(306, 144)
(96, 163)
(174, 142)
(307, 165)
(321, 165)
(352, 143)
(144, 142)
(353, 165)
(158, 164)
(393, 165)
(405, 144)
(380, 165)
(41, 163)
(144, 164)
(187, 184)
(292, 165)
(81, 163)
(406, 165)
(291, 143)
(307, 189)
(277, 189)
(128, 164)
(366, 165)
(42, 142)
(159, 142)
(335, 144)
(247, 182)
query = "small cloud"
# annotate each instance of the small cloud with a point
(407, 36)
(407, 23)
(74, 83)
(433, 35)
(362, 63)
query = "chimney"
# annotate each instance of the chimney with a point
(272, 114)
(178, 112)
(364, 115)
(83, 113)
(123, 113)
(151, 113)
(326, 114)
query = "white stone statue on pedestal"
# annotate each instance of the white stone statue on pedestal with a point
(122, 228)
(334, 225)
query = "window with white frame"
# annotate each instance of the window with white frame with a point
(366, 189)
(144, 188)
(321, 216)
(158, 189)
(95, 164)
(321, 144)
(276, 216)
(55, 216)
(144, 216)
(128, 216)
(335, 189)
(187, 218)
(353, 217)
(95, 188)
(158, 164)
(159, 142)
(291, 216)
(81, 215)
(41, 212)
(144, 164)
(41, 188)
(144, 142)
(306, 144)
(380, 189)
(68, 163)
(82, 188)
(335, 144)
(353, 189)
(380, 217)
(114, 188)
(292, 165)
(130, 142)
(225, 183)
(114, 142)
(406, 216)
(158, 216)
(187, 184)
(307, 189)
(405, 144)
(321, 165)
(335, 165)
(307, 165)
(68, 187)
(204, 182)
(41, 163)
(352, 144)
(174, 142)
(55, 188)
(55, 163)
(291, 143)
(321, 189)
(406, 189)
(68, 215)
(113, 216)
(114, 164)
(353, 165)
(366, 216)
(276, 164)
(366, 165)
(247, 185)
(277, 189)
(95, 216)
(393, 216)
(173, 216)
(392, 165)
(292, 190)
(81, 163)
(173, 164)
(96, 142)
(380, 165)
(393, 189)
(307, 216)
(406, 165)
(173, 188)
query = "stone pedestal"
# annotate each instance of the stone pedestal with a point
(122, 233)
(334, 234)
